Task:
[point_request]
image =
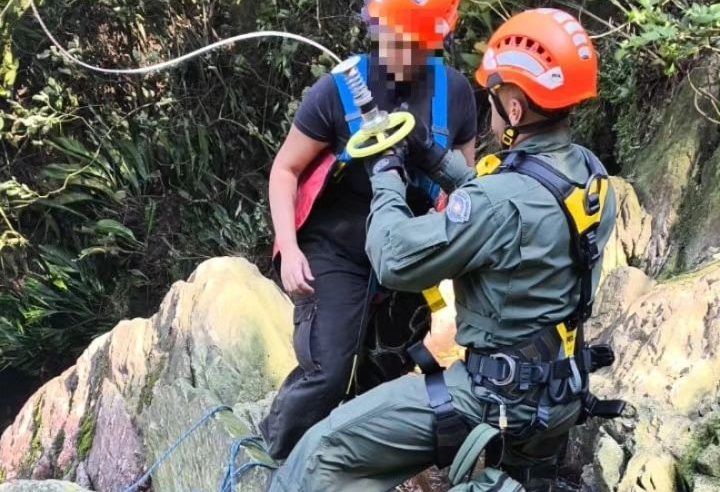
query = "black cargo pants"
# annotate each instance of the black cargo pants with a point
(348, 338)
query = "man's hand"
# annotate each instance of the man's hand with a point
(390, 160)
(295, 272)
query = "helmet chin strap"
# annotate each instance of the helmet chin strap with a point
(512, 132)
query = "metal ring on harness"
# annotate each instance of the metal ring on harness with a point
(512, 365)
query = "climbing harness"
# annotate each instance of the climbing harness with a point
(362, 117)
(385, 130)
(553, 367)
(451, 428)
(232, 472)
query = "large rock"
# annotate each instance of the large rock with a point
(666, 337)
(221, 338)
(699, 234)
(709, 461)
(650, 472)
(633, 229)
(703, 483)
(675, 175)
(609, 461)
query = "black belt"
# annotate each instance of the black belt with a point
(502, 369)
(516, 377)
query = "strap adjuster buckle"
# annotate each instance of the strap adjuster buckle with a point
(592, 198)
(590, 249)
(605, 409)
(530, 374)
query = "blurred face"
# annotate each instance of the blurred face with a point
(402, 57)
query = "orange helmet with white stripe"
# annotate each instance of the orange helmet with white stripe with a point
(427, 22)
(547, 54)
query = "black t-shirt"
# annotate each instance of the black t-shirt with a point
(342, 209)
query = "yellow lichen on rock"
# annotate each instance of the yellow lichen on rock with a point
(233, 289)
(649, 472)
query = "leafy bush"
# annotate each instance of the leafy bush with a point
(111, 188)
(670, 33)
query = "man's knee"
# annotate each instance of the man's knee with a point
(367, 433)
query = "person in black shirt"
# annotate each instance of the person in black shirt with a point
(323, 266)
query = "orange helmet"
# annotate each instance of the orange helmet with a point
(427, 22)
(547, 54)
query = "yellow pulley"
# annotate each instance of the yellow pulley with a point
(366, 143)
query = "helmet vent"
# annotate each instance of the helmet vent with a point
(526, 44)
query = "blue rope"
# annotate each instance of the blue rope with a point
(221, 408)
(232, 475)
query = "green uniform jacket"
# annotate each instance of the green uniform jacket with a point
(507, 247)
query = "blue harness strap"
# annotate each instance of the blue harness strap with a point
(439, 123)
(353, 116)
(440, 129)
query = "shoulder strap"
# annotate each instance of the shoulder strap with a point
(439, 125)
(440, 129)
(582, 206)
(353, 116)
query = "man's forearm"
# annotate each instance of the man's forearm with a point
(453, 171)
(283, 193)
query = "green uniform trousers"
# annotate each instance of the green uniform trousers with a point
(385, 436)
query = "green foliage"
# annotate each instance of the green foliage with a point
(669, 33)
(708, 434)
(55, 306)
(111, 188)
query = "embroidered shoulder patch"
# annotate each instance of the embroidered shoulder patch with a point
(459, 207)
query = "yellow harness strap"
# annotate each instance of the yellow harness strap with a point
(568, 337)
(575, 204)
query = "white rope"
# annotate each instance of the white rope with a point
(183, 58)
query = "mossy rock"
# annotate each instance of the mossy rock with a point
(41, 486)
(708, 462)
(223, 338)
(676, 177)
(704, 483)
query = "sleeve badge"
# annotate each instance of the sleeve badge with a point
(459, 207)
